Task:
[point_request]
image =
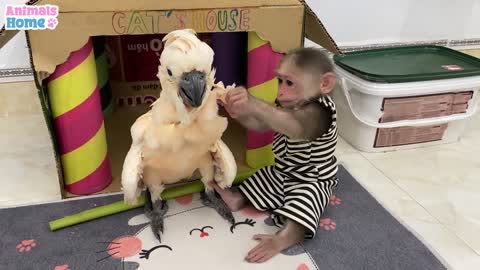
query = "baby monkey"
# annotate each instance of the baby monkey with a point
(297, 188)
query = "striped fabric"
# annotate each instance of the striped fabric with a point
(299, 185)
(309, 160)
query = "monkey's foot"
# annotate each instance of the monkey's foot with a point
(210, 199)
(156, 215)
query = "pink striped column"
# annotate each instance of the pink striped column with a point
(76, 108)
(261, 83)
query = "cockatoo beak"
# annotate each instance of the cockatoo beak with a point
(192, 88)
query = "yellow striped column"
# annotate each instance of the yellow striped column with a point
(261, 83)
(80, 132)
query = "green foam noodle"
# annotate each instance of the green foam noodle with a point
(102, 70)
(120, 206)
(108, 111)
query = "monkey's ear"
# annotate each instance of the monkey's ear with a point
(327, 83)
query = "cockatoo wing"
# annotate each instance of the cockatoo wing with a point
(225, 165)
(132, 166)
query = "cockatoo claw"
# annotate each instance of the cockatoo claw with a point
(157, 223)
(158, 236)
(210, 199)
(155, 211)
(157, 229)
(148, 207)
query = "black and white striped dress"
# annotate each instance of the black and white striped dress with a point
(299, 185)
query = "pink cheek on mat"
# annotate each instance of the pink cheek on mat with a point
(184, 200)
(252, 212)
(61, 267)
(302, 267)
(125, 247)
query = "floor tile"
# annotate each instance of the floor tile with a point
(443, 179)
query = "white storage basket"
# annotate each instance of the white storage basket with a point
(362, 111)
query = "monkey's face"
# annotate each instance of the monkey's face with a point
(289, 91)
(297, 86)
(291, 85)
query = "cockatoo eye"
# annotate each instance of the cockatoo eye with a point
(169, 72)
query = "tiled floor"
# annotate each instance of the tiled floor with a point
(434, 191)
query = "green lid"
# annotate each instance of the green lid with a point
(409, 64)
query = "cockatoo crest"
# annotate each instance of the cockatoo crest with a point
(185, 61)
(183, 40)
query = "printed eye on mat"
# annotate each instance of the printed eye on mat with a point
(125, 241)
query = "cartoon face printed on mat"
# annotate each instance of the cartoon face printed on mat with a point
(196, 237)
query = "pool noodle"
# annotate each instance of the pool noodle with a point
(120, 206)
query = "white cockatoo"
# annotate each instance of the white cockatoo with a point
(181, 132)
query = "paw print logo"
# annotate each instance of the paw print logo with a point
(51, 23)
(335, 200)
(62, 267)
(26, 245)
(328, 224)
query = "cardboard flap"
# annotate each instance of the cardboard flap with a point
(81, 19)
(140, 5)
(68, 6)
(76, 27)
(316, 31)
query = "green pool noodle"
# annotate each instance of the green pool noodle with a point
(120, 206)
(108, 111)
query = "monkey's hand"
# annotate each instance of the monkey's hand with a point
(239, 103)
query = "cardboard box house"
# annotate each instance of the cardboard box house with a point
(103, 56)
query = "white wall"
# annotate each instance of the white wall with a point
(15, 53)
(353, 23)
(3, 4)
